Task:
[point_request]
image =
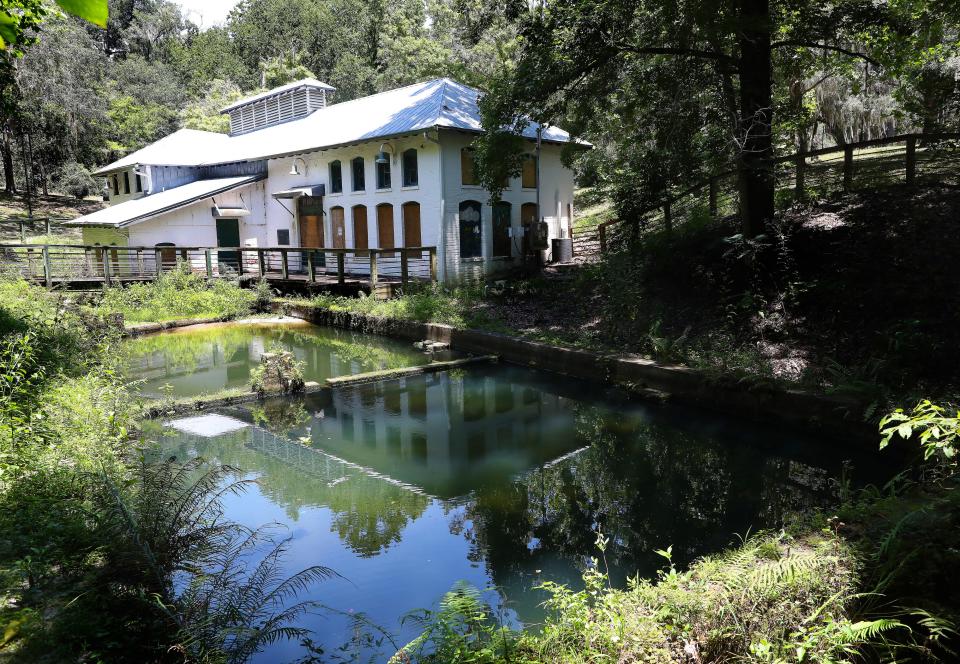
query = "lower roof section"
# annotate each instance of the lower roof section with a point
(141, 209)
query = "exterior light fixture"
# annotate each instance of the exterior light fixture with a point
(295, 170)
(383, 157)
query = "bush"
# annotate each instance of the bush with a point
(423, 304)
(76, 180)
(177, 294)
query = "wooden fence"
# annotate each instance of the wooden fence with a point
(67, 264)
(36, 224)
(911, 159)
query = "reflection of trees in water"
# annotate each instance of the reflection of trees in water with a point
(280, 416)
(647, 485)
(369, 514)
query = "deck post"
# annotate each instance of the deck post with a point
(911, 161)
(105, 257)
(46, 221)
(262, 262)
(403, 266)
(847, 168)
(208, 258)
(284, 264)
(341, 259)
(713, 197)
(140, 269)
(373, 270)
(433, 263)
(87, 260)
(311, 267)
(158, 259)
(47, 277)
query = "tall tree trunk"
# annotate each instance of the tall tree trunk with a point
(755, 168)
(10, 182)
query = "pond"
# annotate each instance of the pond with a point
(203, 359)
(498, 476)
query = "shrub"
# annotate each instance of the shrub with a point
(76, 180)
(178, 293)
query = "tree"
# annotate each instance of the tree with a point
(577, 56)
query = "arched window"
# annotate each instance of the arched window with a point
(383, 173)
(356, 170)
(385, 228)
(338, 228)
(528, 213)
(126, 182)
(336, 177)
(528, 176)
(361, 238)
(138, 182)
(411, 178)
(471, 240)
(501, 229)
(411, 224)
(468, 174)
(116, 185)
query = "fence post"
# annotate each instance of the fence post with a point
(911, 161)
(403, 267)
(433, 263)
(23, 234)
(88, 262)
(667, 218)
(284, 264)
(341, 259)
(262, 262)
(208, 258)
(847, 168)
(603, 238)
(105, 257)
(158, 259)
(373, 270)
(46, 222)
(311, 267)
(139, 262)
(47, 277)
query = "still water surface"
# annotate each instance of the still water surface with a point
(498, 476)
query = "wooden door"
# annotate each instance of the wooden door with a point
(361, 239)
(528, 218)
(311, 229)
(337, 228)
(411, 225)
(385, 228)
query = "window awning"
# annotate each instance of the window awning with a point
(229, 212)
(297, 192)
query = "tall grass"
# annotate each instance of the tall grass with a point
(177, 294)
(423, 304)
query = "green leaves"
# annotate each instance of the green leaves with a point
(94, 11)
(937, 432)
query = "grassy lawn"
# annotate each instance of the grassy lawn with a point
(55, 207)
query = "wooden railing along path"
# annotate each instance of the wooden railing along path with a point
(53, 264)
(911, 159)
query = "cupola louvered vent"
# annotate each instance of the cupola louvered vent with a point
(289, 102)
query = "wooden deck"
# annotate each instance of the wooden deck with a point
(379, 270)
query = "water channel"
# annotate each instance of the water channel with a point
(496, 475)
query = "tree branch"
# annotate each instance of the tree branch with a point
(826, 47)
(667, 50)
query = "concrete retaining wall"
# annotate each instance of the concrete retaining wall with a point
(770, 401)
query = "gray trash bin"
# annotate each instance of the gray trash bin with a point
(562, 250)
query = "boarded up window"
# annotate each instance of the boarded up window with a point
(529, 174)
(385, 227)
(336, 177)
(411, 225)
(361, 239)
(468, 174)
(501, 229)
(471, 244)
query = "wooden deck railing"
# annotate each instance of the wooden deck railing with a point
(911, 159)
(66, 263)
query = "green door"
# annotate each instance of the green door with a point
(228, 235)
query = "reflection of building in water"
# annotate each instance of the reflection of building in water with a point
(437, 428)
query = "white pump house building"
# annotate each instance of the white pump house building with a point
(390, 170)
